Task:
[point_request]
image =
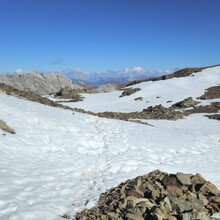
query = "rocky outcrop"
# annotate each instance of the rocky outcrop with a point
(215, 116)
(186, 103)
(157, 196)
(5, 127)
(42, 84)
(157, 112)
(211, 93)
(128, 91)
(31, 96)
(67, 93)
(108, 87)
(213, 107)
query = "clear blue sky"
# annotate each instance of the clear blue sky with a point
(108, 34)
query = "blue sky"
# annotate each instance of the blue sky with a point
(101, 35)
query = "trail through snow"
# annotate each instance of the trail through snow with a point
(59, 163)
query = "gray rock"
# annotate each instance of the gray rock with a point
(5, 127)
(129, 91)
(185, 179)
(42, 84)
(139, 99)
(186, 103)
(179, 204)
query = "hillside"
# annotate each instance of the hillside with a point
(151, 93)
(58, 161)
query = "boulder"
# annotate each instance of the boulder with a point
(5, 127)
(186, 103)
(68, 93)
(128, 91)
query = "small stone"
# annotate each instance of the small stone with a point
(174, 190)
(185, 179)
(209, 189)
(5, 127)
(134, 217)
(139, 99)
(179, 204)
(170, 180)
(201, 216)
(112, 214)
(104, 217)
(215, 199)
(198, 178)
(203, 199)
(158, 214)
(165, 203)
(147, 202)
(186, 216)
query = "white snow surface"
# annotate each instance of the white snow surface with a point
(59, 162)
(153, 93)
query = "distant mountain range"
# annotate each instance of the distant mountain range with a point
(119, 77)
(49, 83)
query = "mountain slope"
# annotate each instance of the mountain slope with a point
(59, 161)
(51, 166)
(165, 92)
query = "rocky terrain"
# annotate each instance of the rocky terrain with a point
(91, 153)
(108, 87)
(157, 196)
(156, 113)
(42, 84)
(211, 93)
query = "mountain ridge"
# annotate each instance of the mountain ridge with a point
(39, 83)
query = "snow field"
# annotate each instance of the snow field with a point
(153, 93)
(59, 163)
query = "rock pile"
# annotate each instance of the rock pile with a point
(128, 91)
(186, 103)
(215, 116)
(157, 196)
(68, 93)
(157, 112)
